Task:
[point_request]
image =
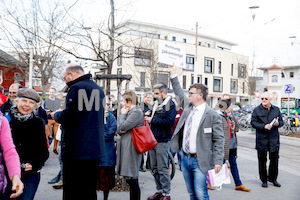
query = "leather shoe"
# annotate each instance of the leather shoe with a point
(209, 187)
(156, 196)
(242, 188)
(165, 198)
(275, 183)
(55, 180)
(58, 185)
(264, 184)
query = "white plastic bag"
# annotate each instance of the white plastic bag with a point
(217, 180)
(58, 134)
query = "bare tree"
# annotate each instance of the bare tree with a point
(35, 27)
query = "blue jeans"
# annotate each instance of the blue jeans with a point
(195, 180)
(233, 167)
(159, 160)
(31, 184)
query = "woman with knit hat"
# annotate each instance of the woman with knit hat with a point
(28, 133)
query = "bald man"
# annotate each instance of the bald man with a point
(12, 95)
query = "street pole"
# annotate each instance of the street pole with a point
(195, 62)
(288, 104)
(30, 58)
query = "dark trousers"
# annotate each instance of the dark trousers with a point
(80, 179)
(31, 184)
(262, 165)
(135, 192)
(233, 167)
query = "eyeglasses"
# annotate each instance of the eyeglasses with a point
(191, 93)
(66, 76)
(264, 98)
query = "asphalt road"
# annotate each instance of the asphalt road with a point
(289, 176)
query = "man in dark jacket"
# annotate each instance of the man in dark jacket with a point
(161, 121)
(266, 119)
(83, 142)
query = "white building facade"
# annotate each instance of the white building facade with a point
(209, 62)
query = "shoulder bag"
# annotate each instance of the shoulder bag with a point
(143, 138)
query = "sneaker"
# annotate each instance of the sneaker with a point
(55, 152)
(58, 185)
(55, 180)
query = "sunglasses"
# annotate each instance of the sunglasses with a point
(264, 98)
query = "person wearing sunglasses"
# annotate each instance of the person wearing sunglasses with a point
(266, 119)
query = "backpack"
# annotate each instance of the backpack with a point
(3, 180)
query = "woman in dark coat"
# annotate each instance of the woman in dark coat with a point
(28, 133)
(130, 160)
(107, 163)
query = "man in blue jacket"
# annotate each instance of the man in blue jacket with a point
(266, 118)
(161, 121)
(83, 142)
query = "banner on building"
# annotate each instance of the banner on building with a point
(170, 53)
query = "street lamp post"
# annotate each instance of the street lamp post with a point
(253, 13)
(30, 58)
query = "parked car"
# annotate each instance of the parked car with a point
(247, 107)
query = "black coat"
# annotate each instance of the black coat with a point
(6, 106)
(266, 140)
(30, 140)
(83, 121)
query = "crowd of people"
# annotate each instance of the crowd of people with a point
(203, 138)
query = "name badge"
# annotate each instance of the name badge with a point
(207, 130)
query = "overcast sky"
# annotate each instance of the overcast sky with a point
(231, 20)
(274, 23)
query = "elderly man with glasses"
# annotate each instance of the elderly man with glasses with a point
(266, 119)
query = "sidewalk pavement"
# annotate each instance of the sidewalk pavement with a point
(248, 168)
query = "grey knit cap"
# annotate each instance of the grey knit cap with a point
(29, 93)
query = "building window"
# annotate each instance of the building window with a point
(119, 71)
(199, 43)
(208, 65)
(231, 69)
(143, 76)
(282, 75)
(173, 38)
(166, 37)
(208, 45)
(291, 74)
(190, 61)
(17, 78)
(234, 86)
(220, 67)
(142, 58)
(218, 84)
(242, 71)
(184, 82)
(163, 65)
(161, 78)
(192, 79)
(199, 79)
(206, 81)
(184, 40)
(243, 87)
(274, 78)
(120, 53)
(152, 35)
